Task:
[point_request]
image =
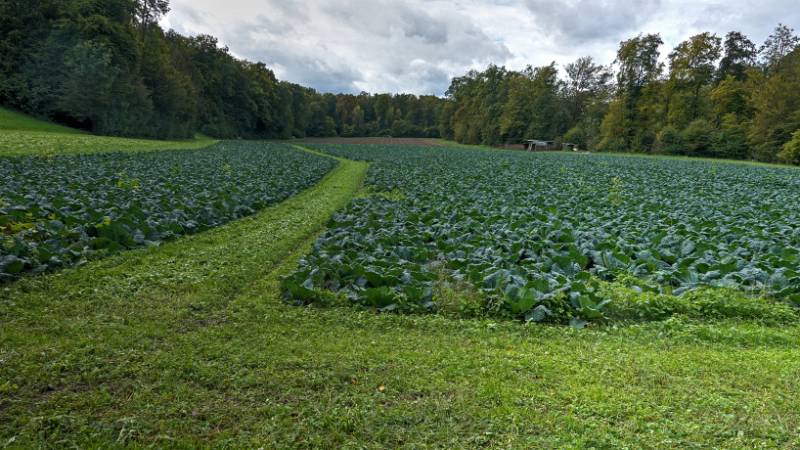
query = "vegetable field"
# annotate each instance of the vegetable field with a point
(537, 236)
(57, 211)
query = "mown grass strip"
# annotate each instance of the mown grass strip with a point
(80, 331)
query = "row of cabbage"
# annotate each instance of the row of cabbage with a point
(535, 233)
(63, 210)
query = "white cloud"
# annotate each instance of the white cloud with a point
(351, 45)
(418, 45)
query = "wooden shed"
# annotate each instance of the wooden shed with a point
(535, 145)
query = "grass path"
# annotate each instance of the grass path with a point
(81, 342)
(189, 345)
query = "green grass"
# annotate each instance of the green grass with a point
(190, 345)
(18, 143)
(23, 135)
(12, 120)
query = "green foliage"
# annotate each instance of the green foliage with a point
(577, 135)
(638, 68)
(730, 96)
(730, 110)
(739, 57)
(87, 88)
(612, 129)
(780, 43)
(775, 100)
(586, 86)
(148, 12)
(632, 304)
(698, 138)
(543, 230)
(60, 210)
(731, 139)
(670, 141)
(790, 154)
(500, 106)
(691, 70)
(404, 128)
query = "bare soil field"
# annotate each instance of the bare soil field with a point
(425, 142)
(376, 140)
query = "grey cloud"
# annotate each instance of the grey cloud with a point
(262, 43)
(425, 27)
(366, 16)
(314, 74)
(269, 25)
(430, 79)
(186, 17)
(581, 21)
(294, 12)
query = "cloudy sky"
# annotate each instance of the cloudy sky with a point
(416, 46)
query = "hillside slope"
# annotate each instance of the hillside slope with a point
(24, 135)
(12, 120)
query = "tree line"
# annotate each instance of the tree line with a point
(107, 66)
(713, 97)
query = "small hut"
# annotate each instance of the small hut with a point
(535, 145)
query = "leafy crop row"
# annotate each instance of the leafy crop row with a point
(535, 234)
(57, 211)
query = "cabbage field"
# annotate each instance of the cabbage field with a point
(61, 210)
(536, 235)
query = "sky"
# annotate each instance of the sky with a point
(418, 46)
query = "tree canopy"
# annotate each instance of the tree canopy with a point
(108, 67)
(717, 98)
